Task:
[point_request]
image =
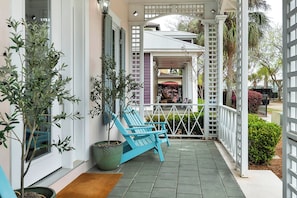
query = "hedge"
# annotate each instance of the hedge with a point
(263, 138)
(254, 101)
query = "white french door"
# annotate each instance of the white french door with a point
(73, 47)
(66, 21)
(48, 159)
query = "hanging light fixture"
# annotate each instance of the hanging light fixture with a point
(104, 4)
(213, 11)
(135, 13)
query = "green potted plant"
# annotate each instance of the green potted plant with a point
(31, 86)
(106, 89)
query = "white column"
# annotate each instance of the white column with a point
(220, 19)
(242, 86)
(185, 82)
(194, 82)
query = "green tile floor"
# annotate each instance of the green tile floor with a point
(192, 169)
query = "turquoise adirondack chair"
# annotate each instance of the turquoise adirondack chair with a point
(5, 188)
(139, 141)
(133, 119)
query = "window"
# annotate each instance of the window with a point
(39, 10)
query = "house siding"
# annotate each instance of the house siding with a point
(4, 106)
(147, 78)
(92, 51)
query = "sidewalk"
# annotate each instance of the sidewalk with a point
(258, 183)
(276, 107)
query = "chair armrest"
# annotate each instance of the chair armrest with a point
(141, 127)
(162, 124)
(137, 127)
(144, 133)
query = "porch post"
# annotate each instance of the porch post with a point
(289, 134)
(137, 62)
(220, 19)
(242, 88)
(210, 79)
(206, 82)
(194, 77)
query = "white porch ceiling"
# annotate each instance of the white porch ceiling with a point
(222, 5)
(169, 62)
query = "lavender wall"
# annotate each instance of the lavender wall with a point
(147, 79)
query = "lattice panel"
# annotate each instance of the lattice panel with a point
(213, 79)
(135, 59)
(153, 11)
(290, 99)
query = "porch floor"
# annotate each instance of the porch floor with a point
(192, 169)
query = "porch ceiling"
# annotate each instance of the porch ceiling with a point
(168, 62)
(223, 5)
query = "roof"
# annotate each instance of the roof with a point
(177, 34)
(158, 41)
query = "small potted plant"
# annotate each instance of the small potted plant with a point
(31, 87)
(106, 90)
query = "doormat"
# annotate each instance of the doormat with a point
(90, 185)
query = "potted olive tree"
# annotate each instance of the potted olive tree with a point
(106, 90)
(31, 86)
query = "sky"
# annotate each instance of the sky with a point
(275, 15)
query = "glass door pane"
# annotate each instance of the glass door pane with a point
(38, 10)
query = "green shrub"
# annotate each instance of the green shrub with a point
(200, 101)
(263, 138)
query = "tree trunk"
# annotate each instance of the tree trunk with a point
(229, 80)
(279, 93)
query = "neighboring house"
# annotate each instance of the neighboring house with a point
(171, 66)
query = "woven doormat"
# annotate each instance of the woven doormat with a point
(90, 185)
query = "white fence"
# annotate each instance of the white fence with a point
(183, 120)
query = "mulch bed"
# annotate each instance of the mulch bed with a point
(275, 165)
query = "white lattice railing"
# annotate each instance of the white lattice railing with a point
(183, 120)
(227, 129)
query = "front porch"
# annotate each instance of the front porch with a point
(191, 169)
(195, 166)
(194, 169)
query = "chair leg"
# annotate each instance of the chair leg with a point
(168, 143)
(161, 156)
